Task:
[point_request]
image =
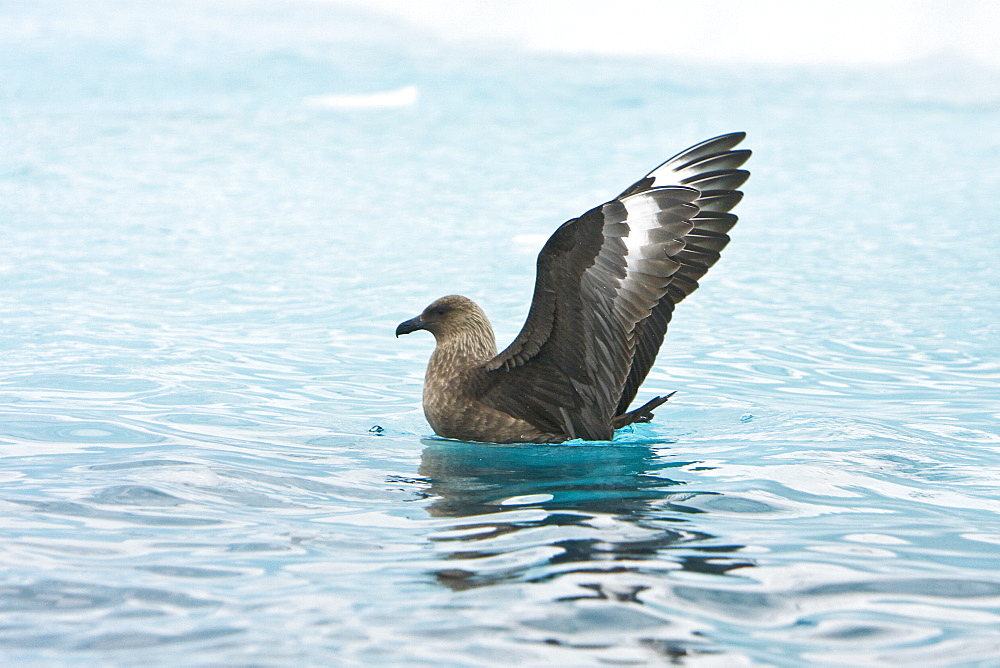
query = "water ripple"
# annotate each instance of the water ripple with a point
(213, 447)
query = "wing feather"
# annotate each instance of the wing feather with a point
(713, 168)
(606, 287)
(598, 277)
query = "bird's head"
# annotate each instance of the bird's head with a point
(448, 317)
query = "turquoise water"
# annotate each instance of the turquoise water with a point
(213, 451)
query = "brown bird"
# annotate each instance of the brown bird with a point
(605, 290)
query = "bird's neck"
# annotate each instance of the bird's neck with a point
(470, 346)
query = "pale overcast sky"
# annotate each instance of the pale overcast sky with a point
(756, 31)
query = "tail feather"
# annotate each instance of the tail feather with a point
(641, 414)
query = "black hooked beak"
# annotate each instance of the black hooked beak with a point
(411, 325)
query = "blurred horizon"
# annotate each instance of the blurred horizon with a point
(853, 32)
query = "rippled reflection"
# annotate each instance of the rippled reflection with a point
(573, 509)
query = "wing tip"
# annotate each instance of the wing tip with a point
(716, 145)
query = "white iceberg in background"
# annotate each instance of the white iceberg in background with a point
(765, 31)
(400, 97)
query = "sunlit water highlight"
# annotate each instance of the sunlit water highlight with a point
(213, 449)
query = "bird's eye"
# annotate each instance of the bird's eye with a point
(440, 310)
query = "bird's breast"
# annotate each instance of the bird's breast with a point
(453, 412)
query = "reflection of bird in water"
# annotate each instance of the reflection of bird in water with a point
(527, 512)
(605, 290)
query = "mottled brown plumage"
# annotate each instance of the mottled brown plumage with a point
(605, 290)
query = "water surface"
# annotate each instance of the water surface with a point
(212, 446)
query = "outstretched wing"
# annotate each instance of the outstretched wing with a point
(713, 168)
(599, 275)
(605, 288)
